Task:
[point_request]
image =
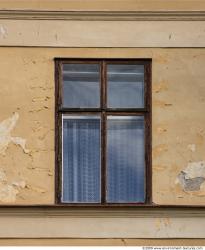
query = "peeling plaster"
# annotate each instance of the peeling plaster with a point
(9, 190)
(192, 177)
(8, 193)
(192, 147)
(2, 175)
(21, 142)
(190, 184)
(36, 189)
(162, 224)
(21, 184)
(39, 99)
(3, 32)
(6, 128)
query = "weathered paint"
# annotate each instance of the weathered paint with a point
(177, 120)
(3, 32)
(178, 125)
(192, 178)
(6, 128)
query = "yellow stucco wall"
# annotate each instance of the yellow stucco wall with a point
(122, 5)
(27, 95)
(27, 121)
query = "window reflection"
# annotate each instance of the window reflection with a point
(81, 86)
(125, 86)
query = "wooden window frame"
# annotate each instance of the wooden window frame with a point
(103, 111)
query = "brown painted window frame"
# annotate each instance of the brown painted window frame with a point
(103, 111)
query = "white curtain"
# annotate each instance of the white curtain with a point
(125, 159)
(81, 159)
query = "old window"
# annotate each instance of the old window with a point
(103, 131)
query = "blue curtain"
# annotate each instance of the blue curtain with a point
(81, 159)
(125, 159)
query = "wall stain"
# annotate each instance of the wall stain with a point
(161, 130)
(200, 138)
(159, 87)
(160, 149)
(160, 167)
(162, 224)
(161, 104)
(161, 59)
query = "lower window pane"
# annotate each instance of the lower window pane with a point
(125, 159)
(81, 159)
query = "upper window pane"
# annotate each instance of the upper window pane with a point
(81, 85)
(125, 86)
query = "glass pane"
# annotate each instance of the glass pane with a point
(81, 159)
(125, 159)
(125, 86)
(81, 85)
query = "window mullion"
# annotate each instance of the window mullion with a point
(103, 131)
(103, 85)
(103, 157)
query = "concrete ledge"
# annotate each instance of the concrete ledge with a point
(95, 223)
(103, 15)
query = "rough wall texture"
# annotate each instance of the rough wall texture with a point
(27, 122)
(27, 113)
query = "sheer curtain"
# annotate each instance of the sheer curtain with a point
(81, 159)
(125, 159)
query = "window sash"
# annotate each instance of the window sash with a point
(104, 112)
(80, 136)
(125, 154)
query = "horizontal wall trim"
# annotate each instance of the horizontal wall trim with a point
(100, 242)
(100, 34)
(104, 15)
(67, 227)
(102, 212)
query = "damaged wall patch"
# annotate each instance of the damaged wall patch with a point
(8, 190)
(192, 177)
(6, 128)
